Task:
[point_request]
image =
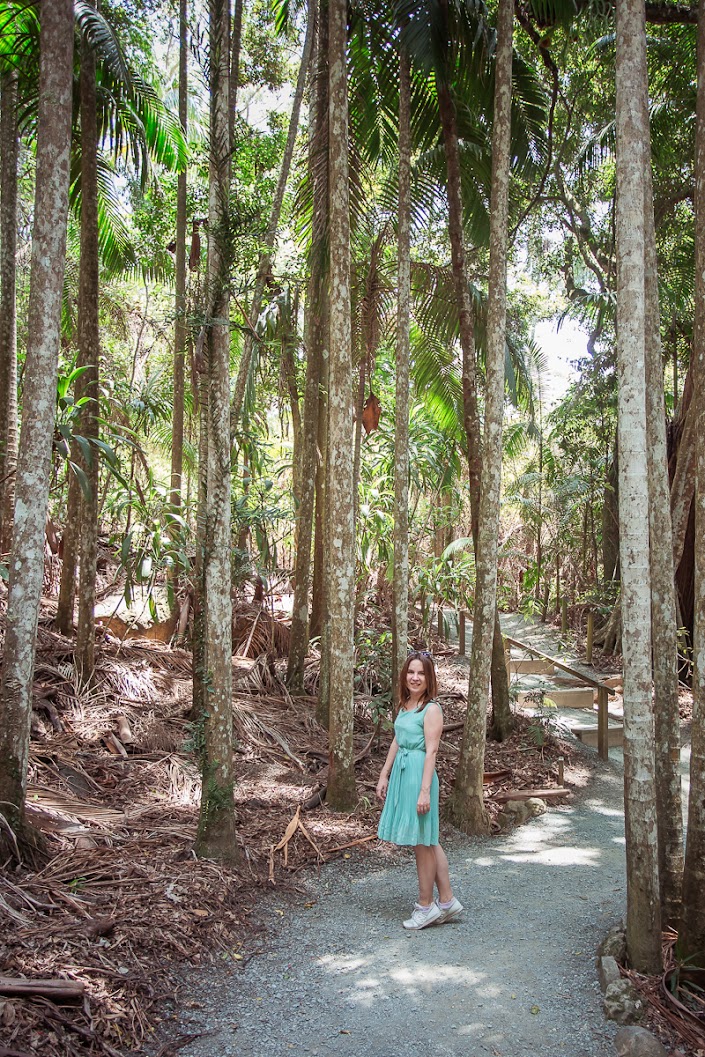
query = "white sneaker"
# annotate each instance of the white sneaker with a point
(423, 916)
(449, 913)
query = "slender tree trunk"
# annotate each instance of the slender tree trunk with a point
(663, 591)
(89, 345)
(320, 320)
(471, 414)
(400, 587)
(318, 602)
(502, 718)
(341, 552)
(265, 260)
(692, 932)
(198, 706)
(315, 334)
(216, 830)
(69, 556)
(466, 806)
(298, 643)
(9, 160)
(41, 369)
(180, 335)
(643, 908)
(357, 441)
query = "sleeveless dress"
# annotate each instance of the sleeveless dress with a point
(400, 823)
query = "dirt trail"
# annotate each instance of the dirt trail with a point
(514, 977)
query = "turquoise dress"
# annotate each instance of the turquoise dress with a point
(400, 822)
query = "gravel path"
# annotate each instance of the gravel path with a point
(514, 977)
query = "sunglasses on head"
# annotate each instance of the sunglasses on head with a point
(420, 653)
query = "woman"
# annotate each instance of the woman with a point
(408, 786)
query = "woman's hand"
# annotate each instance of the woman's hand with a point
(381, 790)
(423, 804)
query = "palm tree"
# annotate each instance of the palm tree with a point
(400, 607)
(466, 805)
(132, 122)
(41, 368)
(89, 361)
(312, 472)
(180, 327)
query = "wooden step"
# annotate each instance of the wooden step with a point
(588, 735)
(569, 681)
(576, 697)
(530, 667)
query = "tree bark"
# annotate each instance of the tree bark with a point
(216, 829)
(341, 551)
(41, 370)
(198, 644)
(643, 908)
(692, 931)
(400, 586)
(663, 592)
(466, 807)
(9, 161)
(89, 351)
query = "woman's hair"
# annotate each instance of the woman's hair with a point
(428, 670)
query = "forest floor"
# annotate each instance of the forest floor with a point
(147, 934)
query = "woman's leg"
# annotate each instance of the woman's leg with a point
(426, 870)
(442, 875)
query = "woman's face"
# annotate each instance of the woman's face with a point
(415, 678)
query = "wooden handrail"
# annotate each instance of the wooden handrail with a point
(559, 664)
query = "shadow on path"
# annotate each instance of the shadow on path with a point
(514, 977)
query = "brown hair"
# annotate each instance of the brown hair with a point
(428, 670)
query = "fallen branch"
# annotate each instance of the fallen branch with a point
(528, 794)
(56, 990)
(351, 844)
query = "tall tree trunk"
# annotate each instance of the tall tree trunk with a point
(320, 320)
(9, 160)
(692, 932)
(663, 592)
(180, 330)
(466, 806)
(400, 587)
(315, 335)
(216, 830)
(341, 551)
(89, 345)
(41, 370)
(265, 260)
(471, 414)
(643, 908)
